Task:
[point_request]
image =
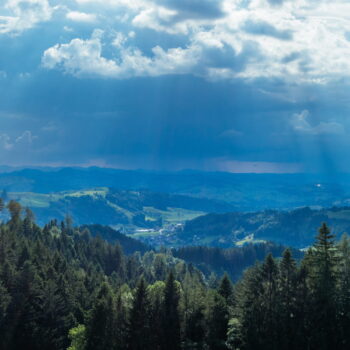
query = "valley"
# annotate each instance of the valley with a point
(175, 220)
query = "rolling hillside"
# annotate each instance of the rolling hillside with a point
(295, 228)
(119, 208)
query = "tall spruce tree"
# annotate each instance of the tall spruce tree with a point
(139, 326)
(100, 331)
(343, 300)
(192, 310)
(249, 310)
(287, 308)
(269, 300)
(156, 297)
(171, 317)
(121, 328)
(323, 260)
(217, 322)
(225, 289)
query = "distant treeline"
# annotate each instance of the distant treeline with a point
(62, 289)
(233, 260)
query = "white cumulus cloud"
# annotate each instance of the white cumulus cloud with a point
(299, 41)
(84, 57)
(300, 123)
(23, 14)
(81, 16)
(7, 143)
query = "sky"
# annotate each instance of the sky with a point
(217, 85)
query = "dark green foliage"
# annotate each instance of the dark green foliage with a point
(192, 306)
(61, 288)
(283, 306)
(102, 322)
(129, 245)
(233, 260)
(323, 280)
(226, 290)
(218, 316)
(344, 291)
(139, 325)
(5, 300)
(15, 211)
(171, 317)
(288, 309)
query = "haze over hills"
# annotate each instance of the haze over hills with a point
(188, 207)
(246, 192)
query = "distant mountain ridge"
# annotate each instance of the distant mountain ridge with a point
(247, 192)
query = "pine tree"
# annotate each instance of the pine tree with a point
(343, 300)
(28, 222)
(171, 317)
(226, 290)
(139, 327)
(121, 328)
(323, 262)
(100, 331)
(287, 301)
(192, 306)
(156, 297)
(24, 313)
(54, 319)
(302, 308)
(218, 317)
(249, 308)
(269, 299)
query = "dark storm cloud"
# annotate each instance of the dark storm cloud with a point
(214, 90)
(174, 119)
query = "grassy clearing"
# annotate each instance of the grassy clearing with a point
(42, 200)
(172, 215)
(248, 239)
(91, 192)
(34, 200)
(144, 234)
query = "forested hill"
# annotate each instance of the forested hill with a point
(207, 259)
(108, 206)
(62, 289)
(128, 244)
(291, 228)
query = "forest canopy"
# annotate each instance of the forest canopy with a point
(61, 288)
